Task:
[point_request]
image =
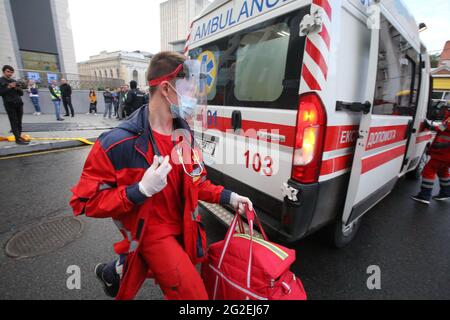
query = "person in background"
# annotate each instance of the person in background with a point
(92, 102)
(107, 95)
(116, 96)
(135, 98)
(11, 94)
(66, 93)
(55, 93)
(147, 96)
(122, 101)
(33, 93)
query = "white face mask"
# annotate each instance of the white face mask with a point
(186, 106)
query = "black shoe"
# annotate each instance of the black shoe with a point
(421, 199)
(441, 197)
(61, 119)
(66, 115)
(110, 289)
(22, 142)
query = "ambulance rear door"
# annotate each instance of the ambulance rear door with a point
(388, 117)
(253, 103)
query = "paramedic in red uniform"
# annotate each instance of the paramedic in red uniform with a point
(135, 176)
(438, 165)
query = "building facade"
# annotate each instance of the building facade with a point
(122, 65)
(37, 36)
(176, 16)
(441, 76)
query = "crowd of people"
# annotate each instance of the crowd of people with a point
(120, 102)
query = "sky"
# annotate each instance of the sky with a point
(130, 25)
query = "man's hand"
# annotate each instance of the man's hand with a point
(12, 85)
(155, 178)
(238, 202)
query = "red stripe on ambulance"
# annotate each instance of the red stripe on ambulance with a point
(309, 78)
(336, 164)
(377, 160)
(318, 58)
(383, 136)
(340, 137)
(325, 5)
(423, 138)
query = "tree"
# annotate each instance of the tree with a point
(434, 58)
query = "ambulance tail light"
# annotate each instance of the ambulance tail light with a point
(309, 139)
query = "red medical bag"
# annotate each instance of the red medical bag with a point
(243, 267)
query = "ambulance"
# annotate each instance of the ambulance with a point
(320, 103)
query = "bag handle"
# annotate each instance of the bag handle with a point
(237, 220)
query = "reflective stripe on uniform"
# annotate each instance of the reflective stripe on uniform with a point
(427, 183)
(277, 251)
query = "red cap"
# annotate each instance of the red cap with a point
(170, 76)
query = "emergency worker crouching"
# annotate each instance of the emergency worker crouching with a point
(147, 175)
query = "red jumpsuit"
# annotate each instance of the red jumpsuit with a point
(163, 234)
(439, 163)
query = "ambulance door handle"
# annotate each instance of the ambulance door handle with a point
(236, 120)
(364, 107)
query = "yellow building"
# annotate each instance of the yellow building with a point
(441, 76)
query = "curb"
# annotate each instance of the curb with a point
(39, 147)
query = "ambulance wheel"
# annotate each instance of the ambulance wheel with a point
(416, 173)
(340, 238)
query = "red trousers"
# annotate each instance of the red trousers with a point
(436, 167)
(172, 269)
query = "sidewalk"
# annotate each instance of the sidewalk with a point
(46, 127)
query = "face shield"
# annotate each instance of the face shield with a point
(192, 95)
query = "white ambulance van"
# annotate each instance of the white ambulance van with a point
(339, 88)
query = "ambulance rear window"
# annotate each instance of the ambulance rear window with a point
(261, 64)
(258, 67)
(398, 76)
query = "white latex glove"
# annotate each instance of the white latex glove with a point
(155, 178)
(238, 202)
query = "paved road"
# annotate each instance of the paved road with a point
(408, 241)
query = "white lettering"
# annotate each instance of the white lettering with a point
(381, 137)
(189, 310)
(348, 137)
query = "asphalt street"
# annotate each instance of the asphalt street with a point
(409, 242)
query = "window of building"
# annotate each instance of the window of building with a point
(40, 61)
(437, 95)
(399, 75)
(135, 75)
(111, 73)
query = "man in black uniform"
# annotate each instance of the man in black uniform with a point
(135, 98)
(11, 92)
(66, 94)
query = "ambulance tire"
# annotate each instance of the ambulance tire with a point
(341, 239)
(417, 172)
